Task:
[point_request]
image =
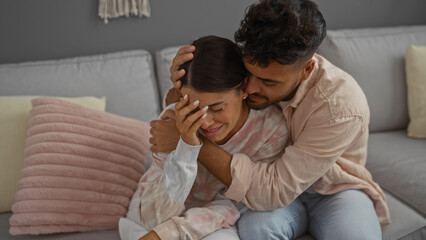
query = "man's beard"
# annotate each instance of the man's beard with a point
(267, 102)
(259, 104)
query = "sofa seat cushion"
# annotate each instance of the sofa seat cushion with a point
(406, 224)
(398, 165)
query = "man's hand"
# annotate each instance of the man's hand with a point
(150, 236)
(184, 55)
(172, 96)
(165, 135)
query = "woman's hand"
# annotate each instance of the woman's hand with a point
(189, 119)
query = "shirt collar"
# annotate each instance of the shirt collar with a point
(305, 86)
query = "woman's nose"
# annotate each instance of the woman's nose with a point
(208, 122)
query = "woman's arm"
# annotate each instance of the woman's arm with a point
(166, 185)
(197, 223)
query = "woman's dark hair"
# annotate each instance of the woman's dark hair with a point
(217, 66)
(283, 31)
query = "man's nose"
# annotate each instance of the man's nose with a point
(252, 85)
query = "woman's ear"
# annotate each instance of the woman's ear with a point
(243, 93)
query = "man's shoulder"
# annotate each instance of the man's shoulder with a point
(338, 90)
(331, 79)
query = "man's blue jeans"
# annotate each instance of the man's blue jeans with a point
(347, 215)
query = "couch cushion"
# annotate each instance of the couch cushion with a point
(163, 62)
(406, 224)
(398, 164)
(81, 168)
(375, 58)
(14, 115)
(125, 78)
(416, 83)
(96, 235)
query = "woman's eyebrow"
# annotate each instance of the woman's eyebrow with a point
(215, 104)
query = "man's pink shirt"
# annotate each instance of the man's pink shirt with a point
(327, 121)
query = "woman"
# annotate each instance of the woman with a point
(180, 199)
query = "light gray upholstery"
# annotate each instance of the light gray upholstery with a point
(405, 222)
(375, 58)
(163, 62)
(398, 164)
(127, 79)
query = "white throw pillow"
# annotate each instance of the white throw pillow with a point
(416, 86)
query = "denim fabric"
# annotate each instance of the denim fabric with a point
(346, 215)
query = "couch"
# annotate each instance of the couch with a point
(134, 84)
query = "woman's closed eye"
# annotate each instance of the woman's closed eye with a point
(216, 109)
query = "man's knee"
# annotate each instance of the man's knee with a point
(346, 215)
(257, 225)
(366, 234)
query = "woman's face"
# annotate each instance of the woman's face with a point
(225, 114)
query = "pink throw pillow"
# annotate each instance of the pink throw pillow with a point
(81, 168)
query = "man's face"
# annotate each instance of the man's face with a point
(274, 83)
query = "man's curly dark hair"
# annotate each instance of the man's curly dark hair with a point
(283, 31)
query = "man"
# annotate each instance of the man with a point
(320, 185)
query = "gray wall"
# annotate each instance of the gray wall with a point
(51, 29)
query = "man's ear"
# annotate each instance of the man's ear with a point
(245, 81)
(308, 68)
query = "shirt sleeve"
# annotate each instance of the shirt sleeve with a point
(166, 185)
(313, 153)
(197, 223)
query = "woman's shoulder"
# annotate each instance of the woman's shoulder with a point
(269, 115)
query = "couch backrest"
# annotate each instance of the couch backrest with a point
(163, 62)
(126, 79)
(376, 59)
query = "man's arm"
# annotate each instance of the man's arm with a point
(150, 236)
(216, 160)
(312, 155)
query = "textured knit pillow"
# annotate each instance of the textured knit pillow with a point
(81, 169)
(14, 115)
(416, 85)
